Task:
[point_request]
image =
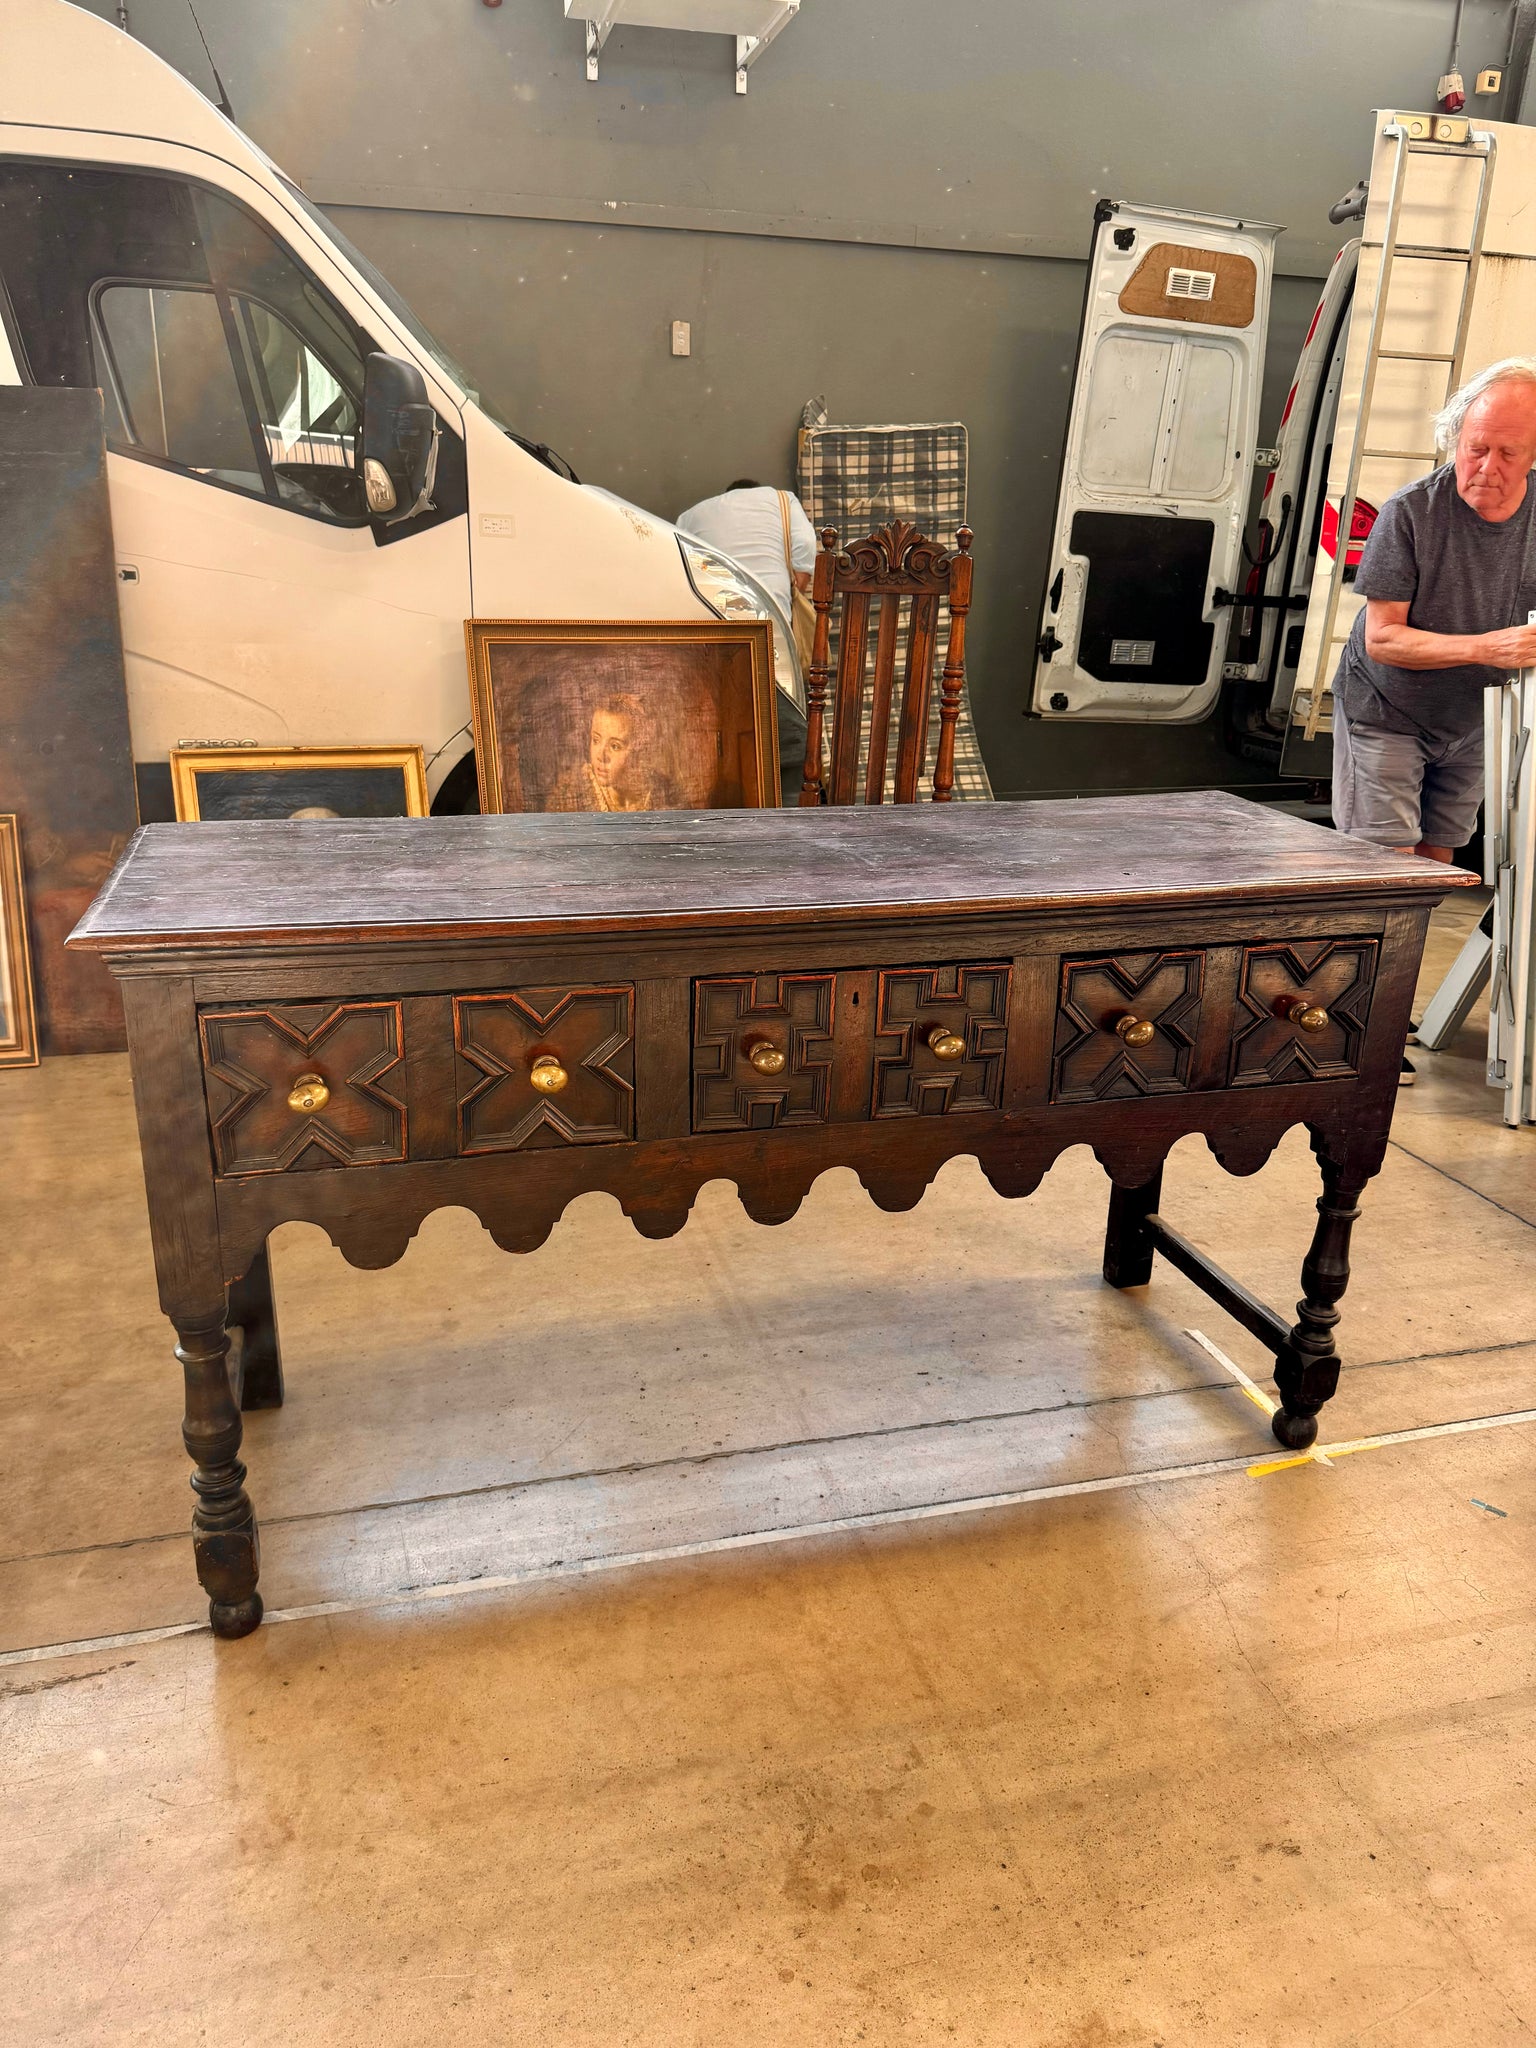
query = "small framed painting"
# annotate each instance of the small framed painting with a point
(226, 783)
(18, 1010)
(621, 715)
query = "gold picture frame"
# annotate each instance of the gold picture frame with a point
(623, 714)
(18, 1003)
(227, 783)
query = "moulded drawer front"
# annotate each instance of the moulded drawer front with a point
(1302, 1009)
(762, 1050)
(773, 1050)
(1126, 1024)
(941, 1034)
(298, 1086)
(545, 1066)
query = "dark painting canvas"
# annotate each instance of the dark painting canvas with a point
(282, 792)
(625, 717)
(66, 759)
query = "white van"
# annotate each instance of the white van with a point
(269, 591)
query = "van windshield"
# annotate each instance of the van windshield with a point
(391, 297)
(408, 320)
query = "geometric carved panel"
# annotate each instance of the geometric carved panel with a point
(1093, 1063)
(962, 1002)
(589, 1031)
(251, 1060)
(1335, 975)
(789, 1014)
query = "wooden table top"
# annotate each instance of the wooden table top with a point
(326, 881)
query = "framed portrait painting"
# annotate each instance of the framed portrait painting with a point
(620, 715)
(18, 1010)
(227, 783)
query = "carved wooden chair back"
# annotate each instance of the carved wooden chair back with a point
(897, 569)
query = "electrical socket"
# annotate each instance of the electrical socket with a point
(682, 338)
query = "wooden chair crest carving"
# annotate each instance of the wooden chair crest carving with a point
(900, 568)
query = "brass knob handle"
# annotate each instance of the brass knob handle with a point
(547, 1074)
(308, 1094)
(766, 1057)
(1306, 1015)
(945, 1044)
(1135, 1030)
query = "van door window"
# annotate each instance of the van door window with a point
(169, 382)
(309, 420)
(216, 351)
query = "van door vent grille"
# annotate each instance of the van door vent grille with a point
(1190, 284)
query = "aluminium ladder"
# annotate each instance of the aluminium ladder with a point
(1510, 865)
(1484, 146)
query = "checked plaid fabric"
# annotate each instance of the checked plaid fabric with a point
(859, 478)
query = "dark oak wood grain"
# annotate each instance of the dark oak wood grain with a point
(356, 1023)
(315, 882)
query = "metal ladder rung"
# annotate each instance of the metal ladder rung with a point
(1389, 250)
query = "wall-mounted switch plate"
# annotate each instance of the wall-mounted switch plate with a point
(1491, 80)
(682, 338)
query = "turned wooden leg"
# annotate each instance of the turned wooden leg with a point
(1127, 1242)
(252, 1311)
(224, 1538)
(1307, 1364)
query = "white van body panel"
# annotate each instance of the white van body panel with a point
(245, 621)
(1160, 446)
(1424, 296)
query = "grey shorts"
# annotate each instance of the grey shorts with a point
(1399, 789)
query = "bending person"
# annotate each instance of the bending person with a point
(1448, 576)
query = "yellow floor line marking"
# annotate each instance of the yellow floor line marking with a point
(880, 1518)
(1318, 1455)
(1324, 1454)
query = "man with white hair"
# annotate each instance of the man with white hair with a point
(1448, 576)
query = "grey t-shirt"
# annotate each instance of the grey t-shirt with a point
(1460, 573)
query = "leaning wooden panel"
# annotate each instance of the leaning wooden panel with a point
(66, 757)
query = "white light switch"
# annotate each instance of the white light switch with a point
(682, 338)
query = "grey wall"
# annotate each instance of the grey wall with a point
(893, 216)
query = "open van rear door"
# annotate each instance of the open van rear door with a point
(1159, 457)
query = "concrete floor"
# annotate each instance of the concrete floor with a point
(1218, 1758)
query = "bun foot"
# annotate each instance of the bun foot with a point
(1296, 1432)
(234, 1618)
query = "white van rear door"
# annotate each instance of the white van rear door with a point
(1159, 458)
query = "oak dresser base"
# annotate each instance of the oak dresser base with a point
(355, 1023)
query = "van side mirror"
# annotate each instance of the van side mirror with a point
(399, 439)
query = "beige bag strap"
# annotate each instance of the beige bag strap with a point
(789, 546)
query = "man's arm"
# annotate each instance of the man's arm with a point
(1390, 638)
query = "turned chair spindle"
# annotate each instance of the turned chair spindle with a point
(898, 568)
